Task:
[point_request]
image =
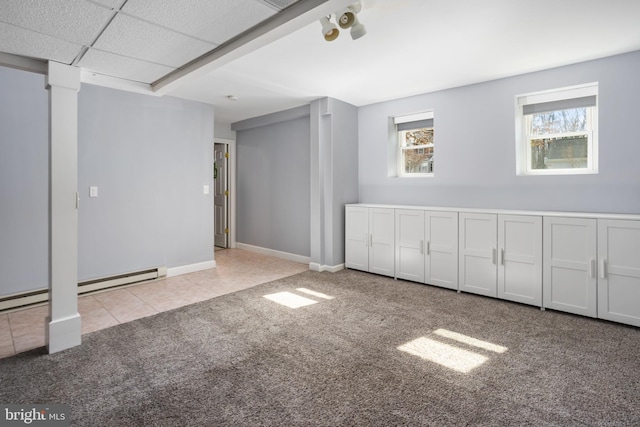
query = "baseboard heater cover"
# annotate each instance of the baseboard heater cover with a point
(42, 295)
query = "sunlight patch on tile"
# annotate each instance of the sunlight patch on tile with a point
(290, 300)
(470, 341)
(444, 354)
(314, 293)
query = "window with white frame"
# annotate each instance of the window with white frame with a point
(415, 144)
(557, 131)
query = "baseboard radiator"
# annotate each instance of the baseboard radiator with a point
(25, 299)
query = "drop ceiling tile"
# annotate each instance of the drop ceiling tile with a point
(213, 20)
(76, 21)
(122, 67)
(134, 38)
(19, 41)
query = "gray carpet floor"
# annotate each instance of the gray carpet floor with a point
(245, 360)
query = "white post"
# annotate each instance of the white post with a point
(62, 327)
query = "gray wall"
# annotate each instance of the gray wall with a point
(344, 167)
(24, 182)
(223, 130)
(150, 158)
(273, 204)
(475, 145)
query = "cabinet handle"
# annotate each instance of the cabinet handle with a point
(592, 271)
(428, 247)
(421, 246)
(371, 239)
(493, 255)
(501, 256)
(603, 268)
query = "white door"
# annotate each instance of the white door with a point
(520, 258)
(619, 271)
(569, 265)
(357, 238)
(441, 251)
(220, 195)
(410, 244)
(381, 241)
(478, 253)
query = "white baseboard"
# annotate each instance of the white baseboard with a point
(64, 333)
(273, 252)
(314, 266)
(191, 268)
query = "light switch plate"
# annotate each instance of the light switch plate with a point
(93, 191)
(206, 189)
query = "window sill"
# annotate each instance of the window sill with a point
(557, 172)
(416, 175)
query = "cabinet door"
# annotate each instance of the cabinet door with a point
(478, 253)
(441, 249)
(619, 271)
(410, 244)
(520, 258)
(357, 238)
(381, 241)
(569, 265)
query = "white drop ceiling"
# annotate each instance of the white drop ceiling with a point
(412, 46)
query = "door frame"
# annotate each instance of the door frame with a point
(231, 175)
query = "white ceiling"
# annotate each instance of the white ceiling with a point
(412, 46)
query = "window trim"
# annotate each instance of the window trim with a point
(409, 118)
(523, 139)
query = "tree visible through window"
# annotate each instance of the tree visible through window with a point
(415, 144)
(417, 150)
(558, 131)
(559, 139)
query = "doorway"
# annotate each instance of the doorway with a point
(221, 194)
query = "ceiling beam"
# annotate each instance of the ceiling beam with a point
(23, 63)
(292, 18)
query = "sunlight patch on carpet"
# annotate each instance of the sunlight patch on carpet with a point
(470, 341)
(444, 354)
(314, 293)
(290, 300)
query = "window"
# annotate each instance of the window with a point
(557, 131)
(415, 144)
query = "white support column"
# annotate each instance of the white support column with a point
(317, 182)
(62, 327)
(321, 182)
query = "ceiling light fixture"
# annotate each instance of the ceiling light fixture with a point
(357, 29)
(346, 18)
(329, 30)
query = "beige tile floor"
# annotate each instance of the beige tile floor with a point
(236, 269)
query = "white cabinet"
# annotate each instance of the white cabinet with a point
(370, 239)
(478, 251)
(592, 267)
(357, 238)
(410, 242)
(569, 276)
(427, 247)
(501, 256)
(441, 249)
(587, 264)
(619, 271)
(381, 241)
(520, 258)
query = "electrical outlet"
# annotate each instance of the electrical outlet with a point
(93, 191)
